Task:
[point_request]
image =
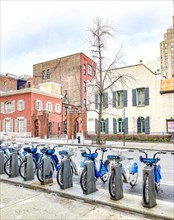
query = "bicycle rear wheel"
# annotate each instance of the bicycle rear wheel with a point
(60, 176)
(7, 167)
(22, 168)
(133, 179)
(39, 172)
(83, 179)
(146, 197)
(112, 186)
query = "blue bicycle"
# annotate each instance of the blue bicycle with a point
(37, 157)
(102, 172)
(152, 162)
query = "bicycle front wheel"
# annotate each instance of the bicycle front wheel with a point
(60, 175)
(133, 179)
(39, 172)
(146, 197)
(83, 180)
(112, 186)
(106, 169)
(7, 167)
(22, 168)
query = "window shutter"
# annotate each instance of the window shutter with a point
(139, 125)
(114, 99)
(11, 125)
(126, 125)
(13, 106)
(125, 98)
(105, 100)
(147, 125)
(96, 126)
(2, 107)
(114, 126)
(96, 101)
(16, 125)
(133, 97)
(146, 92)
(107, 126)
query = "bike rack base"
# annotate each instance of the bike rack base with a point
(29, 171)
(151, 187)
(47, 176)
(118, 182)
(14, 167)
(91, 181)
(67, 174)
(1, 162)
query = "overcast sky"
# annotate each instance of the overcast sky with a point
(37, 31)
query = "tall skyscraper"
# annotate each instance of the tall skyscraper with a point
(167, 53)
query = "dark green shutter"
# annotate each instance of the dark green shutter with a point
(134, 97)
(139, 125)
(105, 99)
(107, 126)
(125, 98)
(96, 101)
(96, 126)
(147, 125)
(126, 125)
(114, 126)
(146, 93)
(114, 99)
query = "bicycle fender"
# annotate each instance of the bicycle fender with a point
(133, 167)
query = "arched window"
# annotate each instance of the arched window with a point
(120, 125)
(140, 125)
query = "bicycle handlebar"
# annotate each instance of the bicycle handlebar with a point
(158, 152)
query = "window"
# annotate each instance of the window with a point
(120, 125)
(9, 125)
(84, 102)
(20, 125)
(84, 69)
(84, 86)
(89, 69)
(102, 125)
(38, 105)
(119, 98)
(48, 74)
(43, 74)
(140, 125)
(9, 107)
(49, 106)
(20, 105)
(140, 96)
(57, 108)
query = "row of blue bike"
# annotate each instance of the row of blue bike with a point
(102, 171)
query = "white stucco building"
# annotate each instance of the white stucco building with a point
(136, 107)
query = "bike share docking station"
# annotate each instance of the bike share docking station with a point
(28, 168)
(14, 167)
(149, 173)
(90, 180)
(1, 162)
(47, 173)
(116, 174)
(67, 174)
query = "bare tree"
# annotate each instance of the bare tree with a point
(107, 75)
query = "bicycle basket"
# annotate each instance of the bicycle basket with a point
(149, 160)
(43, 150)
(30, 150)
(90, 156)
(63, 152)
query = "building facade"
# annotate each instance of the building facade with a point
(137, 107)
(30, 113)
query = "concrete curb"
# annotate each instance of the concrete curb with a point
(163, 210)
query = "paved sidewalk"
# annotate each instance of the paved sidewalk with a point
(130, 203)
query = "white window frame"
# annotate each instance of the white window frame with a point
(89, 70)
(39, 106)
(57, 108)
(49, 106)
(20, 106)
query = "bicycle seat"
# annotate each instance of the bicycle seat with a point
(91, 156)
(116, 158)
(66, 153)
(149, 160)
(30, 149)
(104, 149)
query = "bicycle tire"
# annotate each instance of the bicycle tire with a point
(83, 179)
(40, 171)
(146, 197)
(22, 167)
(112, 186)
(60, 176)
(133, 179)
(105, 177)
(7, 167)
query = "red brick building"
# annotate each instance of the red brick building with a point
(72, 73)
(30, 112)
